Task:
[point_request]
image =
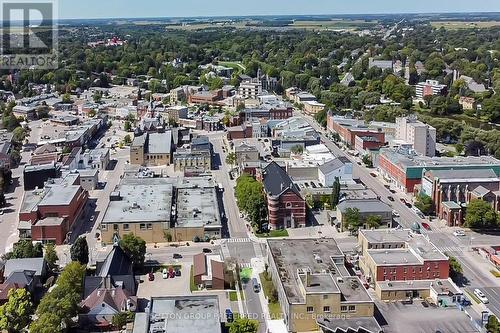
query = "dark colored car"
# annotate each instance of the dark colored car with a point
(177, 272)
(392, 191)
(177, 256)
(229, 315)
(205, 250)
(408, 204)
(390, 198)
(426, 226)
(151, 276)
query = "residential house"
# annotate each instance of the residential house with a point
(208, 271)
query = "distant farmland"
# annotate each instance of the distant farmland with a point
(455, 25)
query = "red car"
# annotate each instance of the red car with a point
(151, 276)
(426, 226)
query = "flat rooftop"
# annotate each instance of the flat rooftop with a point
(392, 257)
(142, 200)
(319, 257)
(198, 314)
(197, 203)
(417, 243)
(405, 160)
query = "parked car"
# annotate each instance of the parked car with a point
(151, 276)
(390, 198)
(206, 250)
(403, 200)
(177, 256)
(459, 233)
(373, 174)
(426, 226)
(256, 285)
(408, 204)
(164, 273)
(177, 272)
(229, 316)
(392, 191)
(395, 213)
(479, 294)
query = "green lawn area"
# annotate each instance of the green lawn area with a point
(233, 296)
(273, 233)
(472, 296)
(268, 287)
(192, 285)
(233, 64)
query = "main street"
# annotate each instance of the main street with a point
(441, 236)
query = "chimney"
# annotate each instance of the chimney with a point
(308, 278)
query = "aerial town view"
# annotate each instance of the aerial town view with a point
(250, 167)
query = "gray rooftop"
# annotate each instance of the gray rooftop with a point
(470, 175)
(198, 314)
(357, 324)
(26, 264)
(142, 200)
(294, 257)
(197, 204)
(332, 165)
(160, 143)
(59, 195)
(365, 206)
(401, 256)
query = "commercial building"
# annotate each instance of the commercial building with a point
(366, 208)
(250, 89)
(152, 149)
(206, 97)
(49, 214)
(286, 207)
(35, 176)
(421, 136)
(313, 107)
(430, 88)
(382, 64)
(348, 129)
(314, 286)
(340, 167)
(399, 255)
(452, 190)
(404, 169)
(141, 206)
(366, 144)
(196, 212)
(246, 153)
(198, 155)
(267, 112)
(176, 112)
(199, 314)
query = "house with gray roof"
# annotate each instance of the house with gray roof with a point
(340, 167)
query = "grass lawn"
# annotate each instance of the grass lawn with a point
(233, 296)
(192, 285)
(267, 287)
(273, 233)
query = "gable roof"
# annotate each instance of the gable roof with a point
(115, 297)
(199, 264)
(25, 264)
(276, 181)
(117, 263)
(331, 166)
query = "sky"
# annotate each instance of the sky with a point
(183, 8)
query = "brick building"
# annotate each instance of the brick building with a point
(286, 207)
(349, 129)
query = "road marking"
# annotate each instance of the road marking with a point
(238, 240)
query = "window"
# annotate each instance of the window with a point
(288, 205)
(150, 226)
(404, 270)
(343, 308)
(115, 227)
(104, 227)
(326, 309)
(142, 226)
(310, 309)
(352, 308)
(126, 227)
(385, 271)
(325, 296)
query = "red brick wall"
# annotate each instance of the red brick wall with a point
(297, 207)
(422, 272)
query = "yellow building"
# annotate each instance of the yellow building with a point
(152, 149)
(313, 107)
(314, 286)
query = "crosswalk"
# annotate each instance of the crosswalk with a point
(238, 240)
(245, 265)
(450, 249)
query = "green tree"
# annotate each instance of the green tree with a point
(18, 135)
(127, 126)
(15, 314)
(42, 112)
(80, 251)
(135, 247)
(97, 97)
(251, 199)
(127, 139)
(297, 150)
(167, 236)
(231, 159)
(335, 197)
(119, 320)
(25, 249)
(373, 221)
(480, 215)
(425, 204)
(66, 99)
(352, 219)
(367, 161)
(456, 270)
(493, 325)
(243, 325)
(51, 256)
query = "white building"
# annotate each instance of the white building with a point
(421, 136)
(250, 89)
(429, 88)
(339, 167)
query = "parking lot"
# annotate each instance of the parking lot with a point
(415, 318)
(177, 286)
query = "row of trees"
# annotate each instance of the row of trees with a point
(251, 200)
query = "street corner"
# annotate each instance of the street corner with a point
(258, 265)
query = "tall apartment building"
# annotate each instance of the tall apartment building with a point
(429, 88)
(418, 134)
